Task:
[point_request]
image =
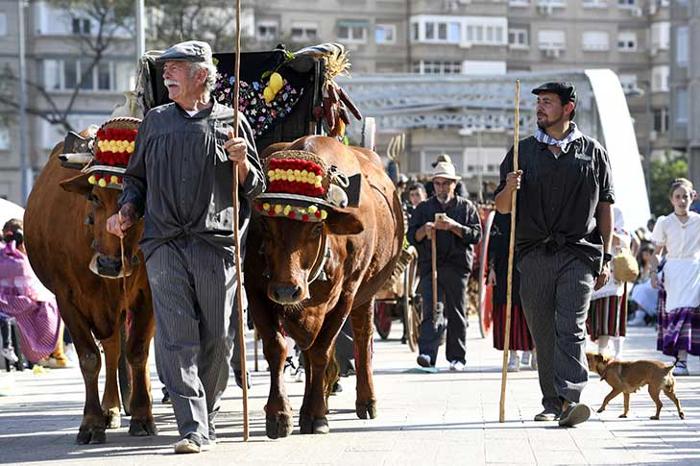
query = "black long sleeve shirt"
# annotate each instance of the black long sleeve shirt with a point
(180, 178)
(452, 251)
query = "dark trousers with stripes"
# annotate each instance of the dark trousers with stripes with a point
(193, 288)
(452, 288)
(555, 290)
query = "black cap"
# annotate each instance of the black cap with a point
(565, 90)
(192, 51)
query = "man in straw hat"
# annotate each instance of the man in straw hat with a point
(563, 241)
(181, 178)
(454, 222)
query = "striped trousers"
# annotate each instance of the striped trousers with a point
(193, 288)
(555, 291)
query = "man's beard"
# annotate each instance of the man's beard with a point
(546, 124)
(442, 198)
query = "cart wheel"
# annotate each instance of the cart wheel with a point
(485, 303)
(382, 319)
(411, 304)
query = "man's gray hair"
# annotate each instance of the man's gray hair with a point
(210, 68)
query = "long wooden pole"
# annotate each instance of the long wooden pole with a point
(236, 229)
(511, 257)
(433, 251)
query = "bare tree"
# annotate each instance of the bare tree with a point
(108, 18)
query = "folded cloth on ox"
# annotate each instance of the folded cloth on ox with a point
(25, 298)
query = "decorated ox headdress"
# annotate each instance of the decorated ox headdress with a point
(301, 186)
(114, 144)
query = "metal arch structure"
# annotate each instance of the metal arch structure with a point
(471, 104)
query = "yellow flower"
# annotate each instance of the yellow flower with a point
(278, 209)
(92, 179)
(312, 209)
(324, 214)
(266, 206)
(276, 82)
(114, 180)
(287, 208)
(102, 183)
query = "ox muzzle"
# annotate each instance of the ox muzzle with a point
(286, 294)
(111, 267)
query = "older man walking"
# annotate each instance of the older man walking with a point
(455, 223)
(180, 179)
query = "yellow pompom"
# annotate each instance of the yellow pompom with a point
(269, 94)
(271, 174)
(266, 206)
(91, 179)
(312, 209)
(324, 214)
(276, 82)
(287, 209)
(278, 209)
(297, 174)
(114, 180)
(290, 173)
(102, 183)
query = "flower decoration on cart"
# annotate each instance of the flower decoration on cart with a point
(114, 144)
(302, 187)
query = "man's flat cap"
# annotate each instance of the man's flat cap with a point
(565, 90)
(192, 50)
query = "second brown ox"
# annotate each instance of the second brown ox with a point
(364, 245)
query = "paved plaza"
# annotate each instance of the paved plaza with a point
(424, 419)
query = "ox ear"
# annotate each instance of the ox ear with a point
(78, 184)
(344, 221)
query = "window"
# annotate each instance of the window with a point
(595, 3)
(3, 24)
(415, 32)
(81, 26)
(4, 139)
(518, 2)
(629, 83)
(304, 32)
(682, 46)
(462, 30)
(437, 67)
(267, 30)
(107, 76)
(661, 120)
(518, 38)
(551, 40)
(626, 3)
(385, 34)
(660, 36)
(596, 41)
(682, 105)
(353, 31)
(659, 78)
(627, 41)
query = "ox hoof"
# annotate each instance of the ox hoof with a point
(91, 435)
(654, 418)
(366, 410)
(309, 425)
(622, 416)
(113, 418)
(279, 425)
(142, 428)
(681, 415)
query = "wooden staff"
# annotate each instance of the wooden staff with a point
(236, 232)
(511, 254)
(433, 251)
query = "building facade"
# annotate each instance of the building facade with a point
(58, 51)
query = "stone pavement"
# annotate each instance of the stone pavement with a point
(443, 418)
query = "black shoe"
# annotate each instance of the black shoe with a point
(166, 397)
(423, 360)
(547, 415)
(337, 388)
(576, 413)
(239, 380)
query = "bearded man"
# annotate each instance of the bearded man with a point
(180, 179)
(454, 222)
(563, 239)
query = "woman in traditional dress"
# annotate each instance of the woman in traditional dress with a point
(678, 235)
(521, 344)
(607, 314)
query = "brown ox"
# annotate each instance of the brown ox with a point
(68, 245)
(364, 245)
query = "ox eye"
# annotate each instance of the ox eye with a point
(317, 229)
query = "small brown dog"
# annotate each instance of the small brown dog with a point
(629, 376)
